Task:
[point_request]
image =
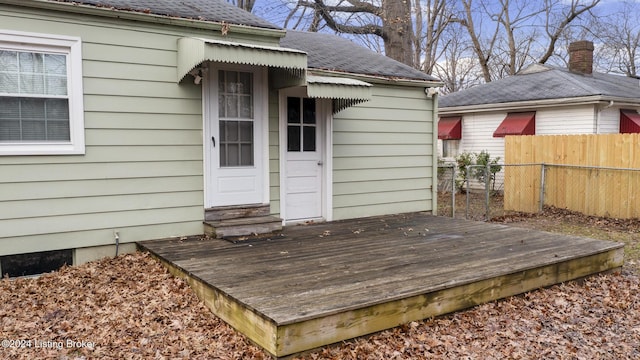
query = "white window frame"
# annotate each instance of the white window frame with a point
(72, 48)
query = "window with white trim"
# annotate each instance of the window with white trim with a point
(41, 109)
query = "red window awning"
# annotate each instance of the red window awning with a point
(629, 121)
(450, 128)
(517, 124)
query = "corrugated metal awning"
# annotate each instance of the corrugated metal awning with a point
(344, 92)
(450, 128)
(523, 123)
(629, 121)
(194, 51)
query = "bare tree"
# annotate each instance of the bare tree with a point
(559, 16)
(391, 21)
(431, 23)
(619, 34)
(511, 38)
(457, 67)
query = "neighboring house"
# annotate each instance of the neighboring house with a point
(123, 121)
(540, 100)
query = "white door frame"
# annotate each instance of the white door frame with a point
(325, 116)
(210, 108)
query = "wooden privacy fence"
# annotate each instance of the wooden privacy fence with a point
(592, 174)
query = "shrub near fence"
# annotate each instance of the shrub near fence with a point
(592, 174)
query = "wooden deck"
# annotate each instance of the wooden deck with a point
(323, 283)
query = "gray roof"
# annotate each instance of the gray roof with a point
(331, 52)
(543, 82)
(205, 10)
(325, 51)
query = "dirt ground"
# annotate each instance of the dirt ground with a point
(129, 307)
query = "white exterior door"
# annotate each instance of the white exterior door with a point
(302, 125)
(234, 137)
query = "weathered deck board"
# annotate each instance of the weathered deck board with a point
(324, 283)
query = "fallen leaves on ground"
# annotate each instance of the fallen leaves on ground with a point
(564, 216)
(131, 308)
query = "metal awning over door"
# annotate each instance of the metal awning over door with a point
(194, 51)
(344, 92)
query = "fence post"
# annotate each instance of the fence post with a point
(487, 184)
(542, 174)
(466, 210)
(453, 190)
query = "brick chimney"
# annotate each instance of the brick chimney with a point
(581, 57)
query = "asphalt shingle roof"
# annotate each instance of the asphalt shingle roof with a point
(543, 84)
(325, 51)
(331, 52)
(205, 10)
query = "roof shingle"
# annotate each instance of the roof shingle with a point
(545, 83)
(206, 10)
(331, 52)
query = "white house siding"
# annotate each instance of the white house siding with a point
(609, 121)
(566, 120)
(477, 134)
(382, 154)
(142, 172)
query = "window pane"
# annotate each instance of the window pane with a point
(57, 109)
(293, 110)
(309, 140)
(8, 61)
(31, 62)
(33, 130)
(32, 109)
(293, 138)
(29, 119)
(56, 85)
(309, 111)
(245, 85)
(233, 155)
(58, 130)
(9, 130)
(230, 131)
(55, 64)
(246, 107)
(222, 105)
(31, 84)
(246, 131)
(231, 82)
(236, 143)
(223, 156)
(232, 106)
(246, 154)
(9, 108)
(9, 83)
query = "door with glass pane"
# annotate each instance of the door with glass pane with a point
(233, 136)
(303, 159)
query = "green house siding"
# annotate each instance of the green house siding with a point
(142, 173)
(382, 154)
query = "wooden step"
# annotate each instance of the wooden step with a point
(246, 226)
(236, 211)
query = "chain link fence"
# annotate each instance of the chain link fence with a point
(479, 192)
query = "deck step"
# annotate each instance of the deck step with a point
(236, 211)
(244, 226)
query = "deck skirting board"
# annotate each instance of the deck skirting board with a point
(298, 337)
(260, 330)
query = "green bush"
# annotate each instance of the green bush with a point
(482, 158)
